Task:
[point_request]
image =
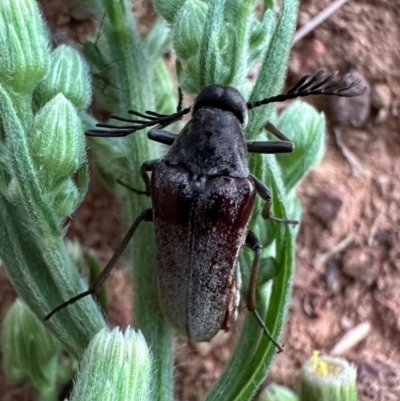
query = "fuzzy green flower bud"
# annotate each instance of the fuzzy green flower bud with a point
(58, 143)
(328, 378)
(274, 392)
(116, 366)
(65, 197)
(30, 351)
(188, 28)
(168, 8)
(24, 45)
(69, 75)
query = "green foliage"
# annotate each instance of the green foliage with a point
(43, 176)
(218, 41)
(188, 28)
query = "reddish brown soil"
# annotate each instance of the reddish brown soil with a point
(333, 291)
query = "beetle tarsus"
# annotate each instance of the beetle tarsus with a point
(69, 302)
(266, 331)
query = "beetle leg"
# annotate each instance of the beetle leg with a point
(285, 145)
(127, 186)
(146, 215)
(265, 194)
(269, 147)
(162, 136)
(146, 166)
(274, 131)
(255, 245)
(180, 100)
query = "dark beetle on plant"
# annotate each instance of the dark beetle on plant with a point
(202, 196)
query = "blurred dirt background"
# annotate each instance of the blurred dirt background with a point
(348, 263)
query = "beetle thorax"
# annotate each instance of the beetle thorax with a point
(211, 144)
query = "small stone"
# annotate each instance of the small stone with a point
(360, 264)
(326, 207)
(381, 96)
(351, 111)
(345, 111)
(332, 276)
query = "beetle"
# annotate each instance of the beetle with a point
(202, 195)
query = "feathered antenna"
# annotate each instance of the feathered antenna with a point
(314, 86)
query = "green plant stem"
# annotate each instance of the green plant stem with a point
(246, 8)
(132, 72)
(20, 251)
(209, 52)
(32, 246)
(272, 74)
(280, 295)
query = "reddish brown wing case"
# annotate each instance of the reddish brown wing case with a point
(198, 240)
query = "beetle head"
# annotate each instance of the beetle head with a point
(224, 98)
